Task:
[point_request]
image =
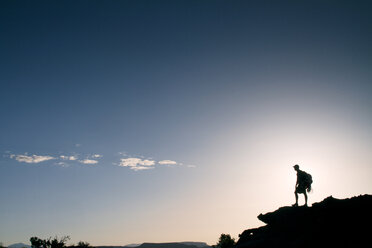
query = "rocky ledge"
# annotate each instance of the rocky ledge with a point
(330, 223)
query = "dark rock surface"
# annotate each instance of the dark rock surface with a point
(330, 223)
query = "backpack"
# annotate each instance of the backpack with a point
(308, 179)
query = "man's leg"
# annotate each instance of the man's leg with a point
(305, 198)
(296, 195)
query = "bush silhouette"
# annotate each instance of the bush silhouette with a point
(225, 241)
(49, 243)
(83, 244)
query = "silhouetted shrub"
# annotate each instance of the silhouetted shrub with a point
(49, 243)
(82, 244)
(36, 242)
(225, 241)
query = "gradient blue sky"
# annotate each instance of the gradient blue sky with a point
(133, 121)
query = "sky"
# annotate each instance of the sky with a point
(162, 121)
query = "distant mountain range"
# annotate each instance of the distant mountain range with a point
(19, 245)
(198, 244)
(132, 245)
(144, 245)
(174, 245)
(161, 245)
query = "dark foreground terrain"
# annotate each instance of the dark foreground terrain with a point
(330, 223)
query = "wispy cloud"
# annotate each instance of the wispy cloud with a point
(91, 159)
(72, 158)
(132, 162)
(191, 166)
(31, 159)
(62, 164)
(88, 161)
(137, 163)
(138, 168)
(167, 162)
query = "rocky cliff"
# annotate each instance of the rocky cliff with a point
(330, 223)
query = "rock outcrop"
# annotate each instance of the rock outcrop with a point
(330, 223)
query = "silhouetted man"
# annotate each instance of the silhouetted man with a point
(303, 183)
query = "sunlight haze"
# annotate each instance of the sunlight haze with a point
(165, 121)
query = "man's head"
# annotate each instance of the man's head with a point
(296, 167)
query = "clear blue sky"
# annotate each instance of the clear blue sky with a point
(132, 121)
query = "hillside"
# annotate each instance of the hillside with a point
(330, 223)
(174, 245)
(19, 245)
(163, 245)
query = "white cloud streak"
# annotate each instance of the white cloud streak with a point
(137, 163)
(72, 158)
(62, 164)
(88, 161)
(134, 163)
(31, 159)
(138, 168)
(167, 162)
